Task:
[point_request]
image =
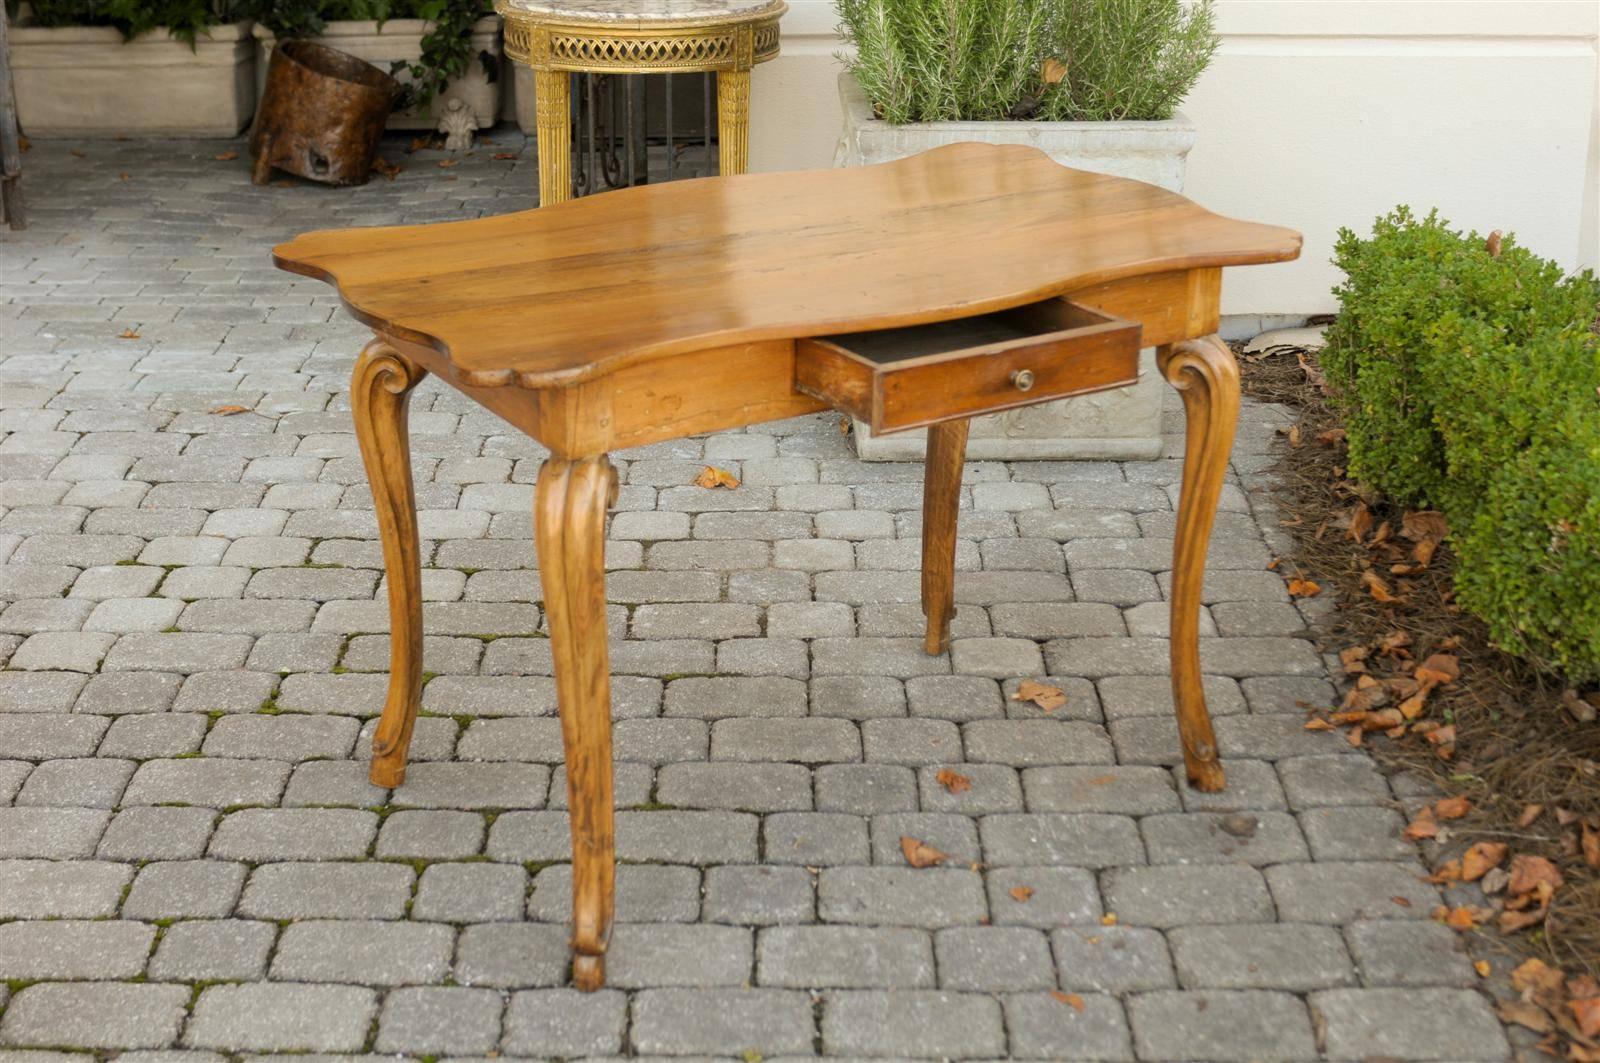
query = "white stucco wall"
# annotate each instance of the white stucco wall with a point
(1322, 113)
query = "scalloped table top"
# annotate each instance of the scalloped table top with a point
(548, 297)
(645, 12)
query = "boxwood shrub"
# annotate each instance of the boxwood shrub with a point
(1469, 380)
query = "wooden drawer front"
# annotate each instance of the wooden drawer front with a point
(895, 379)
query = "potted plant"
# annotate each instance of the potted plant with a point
(439, 50)
(132, 67)
(1094, 84)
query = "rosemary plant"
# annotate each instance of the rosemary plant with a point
(1063, 60)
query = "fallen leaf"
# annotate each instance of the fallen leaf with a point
(1073, 1000)
(385, 167)
(1522, 1013)
(711, 476)
(227, 156)
(1459, 918)
(1021, 894)
(1534, 974)
(844, 426)
(1376, 586)
(1424, 826)
(1331, 437)
(1587, 1012)
(445, 164)
(1360, 523)
(1449, 871)
(1580, 709)
(1452, 807)
(1294, 436)
(1483, 968)
(1354, 659)
(124, 176)
(1482, 858)
(1412, 707)
(1047, 697)
(919, 853)
(1511, 922)
(1109, 919)
(78, 154)
(1424, 525)
(1529, 814)
(229, 411)
(953, 781)
(1239, 825)
(1492, 244)
(1591, 846)
(504, 155)
(128, 334)
(1053, 71)
(24, 144)
(1439, 669)
(1528, 873)
(1494, 881)
(1317, 723)
(421, 143)
(1304, 588)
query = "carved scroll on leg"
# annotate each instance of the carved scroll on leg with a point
(941, 501)
(380, 394)
(569, 521)
(1206, 375)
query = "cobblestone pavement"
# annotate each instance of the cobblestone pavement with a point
(191, 857)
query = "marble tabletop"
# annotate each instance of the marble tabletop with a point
(631, 12)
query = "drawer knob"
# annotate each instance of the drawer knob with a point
(1023, 379)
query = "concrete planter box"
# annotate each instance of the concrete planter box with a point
(1120, 424)
(401, 38)
(85, 81)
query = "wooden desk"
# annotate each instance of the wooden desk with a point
(669, 310)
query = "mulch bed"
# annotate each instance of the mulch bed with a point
(1517, 753)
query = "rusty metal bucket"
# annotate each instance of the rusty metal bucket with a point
(321, 115)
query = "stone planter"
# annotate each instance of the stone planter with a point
(86, 81)
(1120, 424)
(401, 38)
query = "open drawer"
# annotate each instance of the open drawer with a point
(902, 378)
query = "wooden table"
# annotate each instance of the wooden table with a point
(557, 38)
(960, 281)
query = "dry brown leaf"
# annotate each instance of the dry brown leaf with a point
(1452, 807)
(227, 156)
(1047, 697)
(1492, 244)
(1354, 659)
(1424, 525)
(1462, 917)
(1580, 709)
(1530, 813)
(445, 164)
(385, 167)
(1412, 707)
(421, 143)
(1587, 1013)
(953, 781)
(1294, 436)
(1439, 669)
(128, 334)
(1332, 437)
(1590, 846)
(1482, 967)
(1304, 588)
(229, 411)
(1053, 72)
(1424, 826)
(1482, 858)
(1072, 1000)
(24, 144)
(1522, 1013)
(77, 153)
(1360, 523)
(502, 156)
(711, 476)
(1376, 587)
(919, 853)
(1534, 974)
(1109, 919)
(1317, 723)
(1021, 894)
(124, 176)
(1529, 872)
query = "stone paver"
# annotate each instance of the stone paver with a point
(193, 628)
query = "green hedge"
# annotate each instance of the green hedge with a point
(1471, 381)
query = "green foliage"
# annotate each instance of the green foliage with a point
(948, 60)
(446, 47)
(184, 18)
(1472, 382)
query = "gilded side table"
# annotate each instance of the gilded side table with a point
(665, 311)
(557, 38)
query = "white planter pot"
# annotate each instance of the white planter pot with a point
(85, 81)
(1120, 424)
(401, 38)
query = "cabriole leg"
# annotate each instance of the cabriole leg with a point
(569, 521)
(1206, 375)
(380, 394)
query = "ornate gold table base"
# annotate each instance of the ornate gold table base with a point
(556, 41)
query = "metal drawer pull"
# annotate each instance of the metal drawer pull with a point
(1023, 379)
